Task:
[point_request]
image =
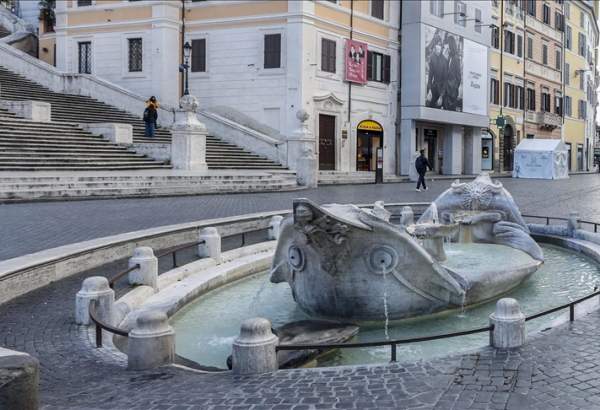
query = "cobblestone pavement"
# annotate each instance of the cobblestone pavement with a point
(559, 370)
(32, 227)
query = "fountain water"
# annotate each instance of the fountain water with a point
(256, 298)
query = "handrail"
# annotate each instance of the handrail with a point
(392, 343)
(570, 305)
(101, 325)
(119, 275)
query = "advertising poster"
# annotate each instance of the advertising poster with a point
(475, 78)
(443, 69)
(356, 62)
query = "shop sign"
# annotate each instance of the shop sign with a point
(369, 125)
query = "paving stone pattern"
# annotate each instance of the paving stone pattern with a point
(558, 370)
(31, 227)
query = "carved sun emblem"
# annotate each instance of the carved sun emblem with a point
(477, 196)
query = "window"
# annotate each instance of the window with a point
(272, 55)
(495, 32)
(478, 20)
(546, 101)
(199, 55)
(436, 7)
(530, 136)
(582, 110)
(568, 109)
(581, 80)
(135, 58)
(567, 74)
(377, 9)
(581, 19)
(545, 54)
(546, 13)
(530, 99)
(529, 47)
(494, 91)
(567, 8)
(509, 41)
(581, 44)
(378, 67)
(569, 38)
(508, 94)
(84, 3)
(520, 97)
(85, 57)
(558, 104)
(328, 55)
(460, 16)
(520, 45)
(559, 21)
(557, 60)
(531, 7)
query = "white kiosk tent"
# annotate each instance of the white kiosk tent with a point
(541, 158)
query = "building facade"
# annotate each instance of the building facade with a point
(405, 76)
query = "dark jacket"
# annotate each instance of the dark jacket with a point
(421, 164)
(150, 114)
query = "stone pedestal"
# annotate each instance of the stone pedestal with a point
(188, 143)
(301, 153)
(509, 325)
(147, 273)
(407, 216)
(274, 227)
(37, 111)
(121, 134)
(211, 248)
(151, 342)
(573, 223)
(19, 378)
(95, 288)
(254, 349)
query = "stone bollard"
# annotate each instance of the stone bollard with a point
(509, 325)
(274, 227)
(19, 376)
(94, 288)
(573, 223)
(254, 349)
(211, 247)
(407, 216)
(151, 342)
(147, 273)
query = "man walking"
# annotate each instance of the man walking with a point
(421, 164)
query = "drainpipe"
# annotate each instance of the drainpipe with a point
(182, 41)
(349, 82)
(399, 99)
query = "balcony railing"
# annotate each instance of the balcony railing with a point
(548, 120)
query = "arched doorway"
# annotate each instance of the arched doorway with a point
(369, 137)
(508, 148)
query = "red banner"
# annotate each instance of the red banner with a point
(356, 61)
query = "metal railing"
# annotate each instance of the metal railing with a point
(173, 251)
(101, 325)
(119, 275)
(555, 218)
(244, 233)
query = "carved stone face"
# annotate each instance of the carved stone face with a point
(303, 214)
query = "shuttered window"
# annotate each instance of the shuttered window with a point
(377, 9)
(135, 62)
(328, 55)
(272, 51)
(378, 67)
(199, 55)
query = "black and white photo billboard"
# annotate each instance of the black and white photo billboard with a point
(450, 85)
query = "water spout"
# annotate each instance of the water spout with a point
(263, 286)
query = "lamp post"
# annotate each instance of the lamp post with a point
(187, 51)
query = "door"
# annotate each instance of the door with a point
(430, 139)
(326, 142)
(367, 143)
(507, 148)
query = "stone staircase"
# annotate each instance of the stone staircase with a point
(30, 186)
(28, 146)
(73, 109)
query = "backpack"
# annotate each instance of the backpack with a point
(147, 115)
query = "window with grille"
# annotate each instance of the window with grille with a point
(272, 57)
(199, 55)
(328, 55)
(85, 57)
(136, 55)
(378, 67)
(377, 9)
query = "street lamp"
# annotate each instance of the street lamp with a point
(187, 51)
